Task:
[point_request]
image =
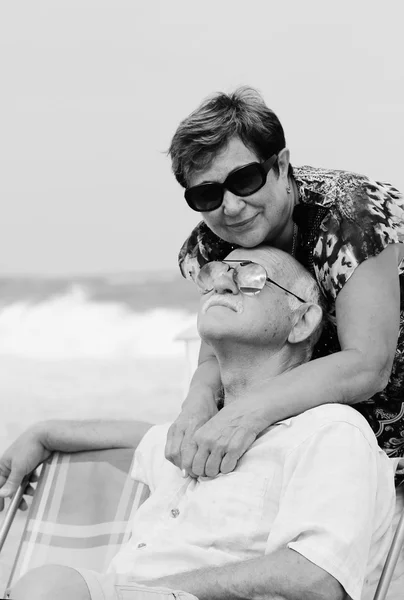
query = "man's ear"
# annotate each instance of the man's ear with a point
(307, 318)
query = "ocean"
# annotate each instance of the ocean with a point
(103, 346)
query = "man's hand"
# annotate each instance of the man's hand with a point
(181, 446)
(39, 441)
(19, 460)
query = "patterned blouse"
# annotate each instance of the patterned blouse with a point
(343, 219)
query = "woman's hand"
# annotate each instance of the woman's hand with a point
(221, 442)
(200, 405)
(19, 460)
(203, 441)
(196, 411)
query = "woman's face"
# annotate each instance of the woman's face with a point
(252, 220)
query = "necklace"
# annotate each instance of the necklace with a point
(294, 240)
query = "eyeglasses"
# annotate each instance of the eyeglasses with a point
(242, 182)
(249, 277)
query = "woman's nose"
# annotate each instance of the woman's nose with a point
(232, 204)
(224, 283)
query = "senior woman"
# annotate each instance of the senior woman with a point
(230, 156)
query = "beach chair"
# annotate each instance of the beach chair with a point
(80, 514)
(82, 510)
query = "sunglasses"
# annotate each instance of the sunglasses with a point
(242, 182)
(249, 277)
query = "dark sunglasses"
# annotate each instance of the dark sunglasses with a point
(242, 182)
(249, 277)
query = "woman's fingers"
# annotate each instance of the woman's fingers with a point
(188, 450)
(199, 462)
(220, 446)
(175, 436)
(242, 438)
(213, 464)
(181, 446)
(212, 447)
(229, 463)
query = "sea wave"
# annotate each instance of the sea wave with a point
(72, 325)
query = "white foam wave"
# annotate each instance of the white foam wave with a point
(71, 326)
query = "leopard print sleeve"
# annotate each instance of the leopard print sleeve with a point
(365, 217)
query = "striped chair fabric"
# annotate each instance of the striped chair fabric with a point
(81, 511)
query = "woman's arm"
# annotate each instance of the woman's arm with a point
(199, 406)
(367, 309)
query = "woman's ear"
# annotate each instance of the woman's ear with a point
(306, 320)
(283, 163)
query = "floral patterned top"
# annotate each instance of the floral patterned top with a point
(343, 219)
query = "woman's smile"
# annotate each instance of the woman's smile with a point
(244, 224)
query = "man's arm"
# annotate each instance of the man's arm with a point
(35, 445)
(283, 575)
(90, 434)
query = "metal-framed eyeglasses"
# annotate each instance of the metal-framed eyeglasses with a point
(249, 277)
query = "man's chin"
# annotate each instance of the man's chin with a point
(214, 329)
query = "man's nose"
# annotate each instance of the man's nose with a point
(224, 283)
(232, 204)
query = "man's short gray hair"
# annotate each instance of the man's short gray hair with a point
(296, 279)
(307, 288)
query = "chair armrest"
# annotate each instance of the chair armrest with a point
(12, 511)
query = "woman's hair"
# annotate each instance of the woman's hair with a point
(209, 128)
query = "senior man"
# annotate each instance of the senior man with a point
(307, 512)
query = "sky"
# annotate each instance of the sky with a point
(91, 92)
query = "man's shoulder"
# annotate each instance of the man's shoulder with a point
(155, 437)
(150, 462)
(313, 421)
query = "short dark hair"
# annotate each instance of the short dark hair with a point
(220, 117)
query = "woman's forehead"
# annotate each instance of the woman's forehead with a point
(233, 155)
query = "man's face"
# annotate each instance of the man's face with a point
(254, 219)
(227, 314)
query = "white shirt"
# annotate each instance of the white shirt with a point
(317, 483)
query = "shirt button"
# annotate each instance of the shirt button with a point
(175, 512)
(141, 545)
